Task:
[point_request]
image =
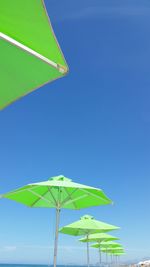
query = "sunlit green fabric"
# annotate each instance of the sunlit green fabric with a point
(99, 237)
(26, 22)
(107, 244)
(116, 250)
(87, 225)
(59, 192)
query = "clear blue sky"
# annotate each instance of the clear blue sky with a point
(92, 126)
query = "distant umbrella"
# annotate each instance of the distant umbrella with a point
(30, 55)
(107, 247)
(118, 253)
(85, 226)
(58, 192)
(107, 244)
(112, 250)
(99, 238)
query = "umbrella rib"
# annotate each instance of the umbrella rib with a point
(89, 193)
(38, 199)
(80, 197)
(38, 195)
(17, 191)
(50, 191)
(60, 68)
(70, 201)
(69, 197)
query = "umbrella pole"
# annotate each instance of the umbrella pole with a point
(100, 258)
(106, 258)
(88, 254)
(56, 236)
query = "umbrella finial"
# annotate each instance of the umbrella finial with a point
(87, 217)
(60, 178)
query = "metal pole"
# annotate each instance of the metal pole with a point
(88, 254)
(100, 257)
(100, 254)
(112, 259)
(106, 258)
(56, 236)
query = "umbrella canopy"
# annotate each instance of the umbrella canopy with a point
(107, 245)
(85, 226)
(111, 245)
(30, 54)
(99, 237)
(117, 253)
(111, 250)
(58, 192)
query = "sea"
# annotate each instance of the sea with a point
(37, 265)
(34, 265)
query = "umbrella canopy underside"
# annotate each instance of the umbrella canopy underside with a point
(107, 244)
(58, 192)
(99, 237)
(87, 225)
(29, 52)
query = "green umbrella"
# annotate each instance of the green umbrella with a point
(58, 192)
(99, 237)
(108, 244)
(118, 253)
(30, 55)
(111, 250)
(85, 226)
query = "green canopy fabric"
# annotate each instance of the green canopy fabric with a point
(111, 250)
(99, 237)
(85, 226)
(107, 245)
(58, 192)
(30, 54)
(117, 253)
